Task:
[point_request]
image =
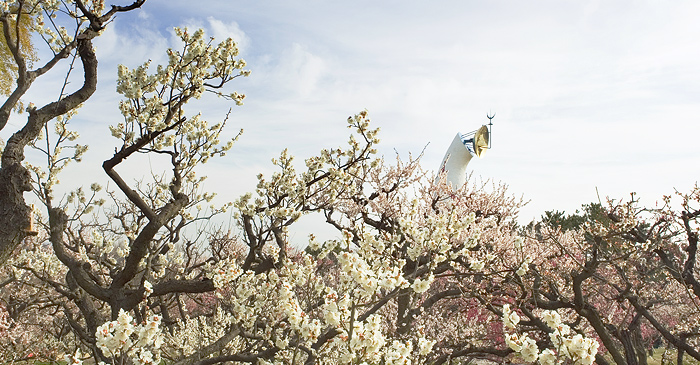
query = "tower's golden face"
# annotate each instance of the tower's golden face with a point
(481, 140)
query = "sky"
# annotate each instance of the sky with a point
(592, 99)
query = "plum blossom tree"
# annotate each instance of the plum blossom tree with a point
(620, 274)
(67, 28)
(154, 123)
(114, 264)
(419, 272)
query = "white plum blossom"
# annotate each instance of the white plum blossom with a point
(518, 243)
(551, 318)
(425, 346)
(116, 338)
(510, 318)
(398, 353)
(74, 359)
(580, 350)
(148, 289)
(529, 351)
(547, 357)
(477, 265)
(422, 285)
(522, 270)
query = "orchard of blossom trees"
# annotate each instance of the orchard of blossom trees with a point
(419, 272)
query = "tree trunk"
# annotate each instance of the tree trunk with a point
(628, 347)
(14, 212)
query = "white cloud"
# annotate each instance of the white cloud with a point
(300, 70)
(124, 43)
(221, 31)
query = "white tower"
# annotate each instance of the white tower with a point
(460, 152)
(454, 164)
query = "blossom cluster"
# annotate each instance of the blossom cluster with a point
(153, 107)
(124, 337)
(195, 332)
(566, 345)
(445, 237)
(274, 294)
(364, 278)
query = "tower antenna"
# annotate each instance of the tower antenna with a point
(490, 124)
